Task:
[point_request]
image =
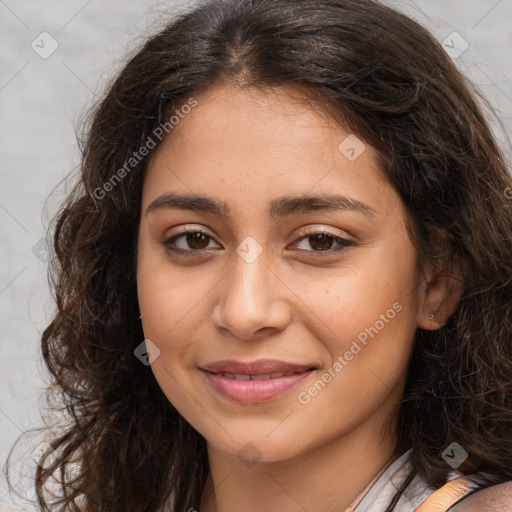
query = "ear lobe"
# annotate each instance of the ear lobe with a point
(442, 298)
(444, 288)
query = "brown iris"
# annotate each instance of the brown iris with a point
(320, 241)
(198, 240)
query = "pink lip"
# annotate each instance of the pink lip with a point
(254, 391)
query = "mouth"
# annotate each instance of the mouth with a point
(246, 376)
(253, 382)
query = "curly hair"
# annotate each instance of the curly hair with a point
(388, 80)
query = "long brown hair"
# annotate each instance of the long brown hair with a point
(393, 85)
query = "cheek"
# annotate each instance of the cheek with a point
(369, 344)
(159, 288)
(169, 312)
(371, 315)
(165, 298)
(168, 305)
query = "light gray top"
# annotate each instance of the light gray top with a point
(382, 491)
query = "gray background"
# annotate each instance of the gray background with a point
(40, 103)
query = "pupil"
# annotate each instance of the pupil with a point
(197, 240)
(320, 238)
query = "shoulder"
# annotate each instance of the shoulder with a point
(497, 498)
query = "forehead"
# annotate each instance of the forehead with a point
(235, 122)
(252, 145)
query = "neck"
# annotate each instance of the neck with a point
(334, 476)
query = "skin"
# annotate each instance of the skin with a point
(493, 499)
(496, 498)
(244, 148)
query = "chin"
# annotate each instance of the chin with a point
(255, 445)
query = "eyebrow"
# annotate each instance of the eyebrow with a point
(279, 207)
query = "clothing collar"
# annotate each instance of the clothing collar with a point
(381, 493)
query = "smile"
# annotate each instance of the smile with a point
(240, 376)
(254, 388)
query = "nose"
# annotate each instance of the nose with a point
(252, 302)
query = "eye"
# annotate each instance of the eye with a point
(188, 242)
(321, 242)
(197, 241)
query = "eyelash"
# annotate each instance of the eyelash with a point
(344, 243)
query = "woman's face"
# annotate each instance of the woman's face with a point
(254, 280)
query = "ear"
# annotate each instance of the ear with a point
(443, 286)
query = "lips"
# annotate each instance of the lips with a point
(253, 382)
(247, 376)
(259, 368)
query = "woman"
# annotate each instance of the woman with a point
(300, 209)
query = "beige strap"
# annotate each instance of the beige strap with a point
(447, 495)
